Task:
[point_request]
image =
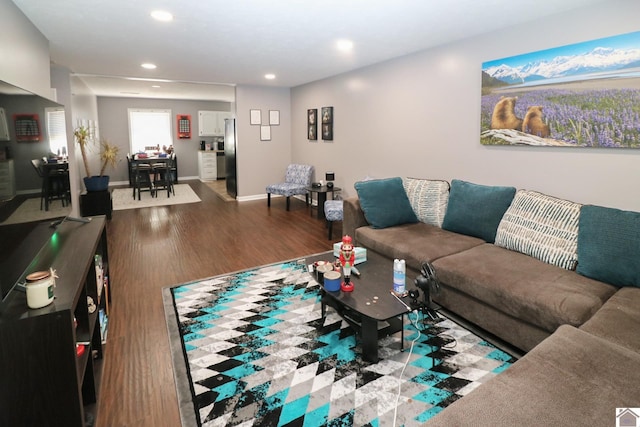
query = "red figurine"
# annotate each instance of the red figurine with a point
(347, 259)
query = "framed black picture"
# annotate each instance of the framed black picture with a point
(327, 123)
(312, 124)
(327, 131)
(327, 114)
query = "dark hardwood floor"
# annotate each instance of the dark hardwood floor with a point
(152, 248)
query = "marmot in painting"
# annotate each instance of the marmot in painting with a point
(533, 123)
(504, 116)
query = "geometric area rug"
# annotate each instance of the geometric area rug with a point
(251, 349)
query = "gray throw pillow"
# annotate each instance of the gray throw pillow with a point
(428, 199)
(543, 227)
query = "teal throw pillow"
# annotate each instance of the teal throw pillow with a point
(476, 210)
(609, 245)
(384, 202)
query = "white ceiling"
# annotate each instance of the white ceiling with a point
(233, 42)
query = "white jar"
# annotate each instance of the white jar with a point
(40, 286)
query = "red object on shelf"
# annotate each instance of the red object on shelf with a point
(80, 349)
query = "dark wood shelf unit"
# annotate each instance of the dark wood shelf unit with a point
(96, 203)
(44, 382)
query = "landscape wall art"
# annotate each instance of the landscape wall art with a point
(581, 95)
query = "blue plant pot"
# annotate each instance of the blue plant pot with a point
(97, 183)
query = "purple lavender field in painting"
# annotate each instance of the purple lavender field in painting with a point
(583, 95)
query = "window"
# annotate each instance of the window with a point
(149, 128)
(57, 130)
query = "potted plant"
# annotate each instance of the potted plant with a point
(108, 156)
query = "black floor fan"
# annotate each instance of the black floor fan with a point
(427, 284)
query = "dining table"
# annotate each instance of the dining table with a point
(151, 160)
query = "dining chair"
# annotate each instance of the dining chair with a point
(130, 170)
(54, 184)
(163, 175)
(142, 179)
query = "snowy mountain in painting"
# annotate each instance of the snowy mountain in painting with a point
(600, 59)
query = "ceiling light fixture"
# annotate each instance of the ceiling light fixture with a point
(155, 86)
(270, 76)
(162, 15)
(344, 45)
(149, 66)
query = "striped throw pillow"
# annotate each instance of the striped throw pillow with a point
(543, 227)
(428, 199)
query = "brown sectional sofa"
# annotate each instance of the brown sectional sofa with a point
(581, 335)
(535, 297)
(572, 377)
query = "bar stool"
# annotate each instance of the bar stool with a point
(142, 179)
(55, 184)
(163, 176)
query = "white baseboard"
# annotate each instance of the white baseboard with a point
(251, 198)
(273, 196)
(27, 192)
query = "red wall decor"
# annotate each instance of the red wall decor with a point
(27, 127)
(184, 126)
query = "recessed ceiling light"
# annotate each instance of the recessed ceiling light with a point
(155, 86)
(149, 66)
(270, 76)
(344, 45)
(162, 15)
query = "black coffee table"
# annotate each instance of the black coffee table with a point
(369, 303)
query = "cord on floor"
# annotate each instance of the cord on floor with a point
(415, 324)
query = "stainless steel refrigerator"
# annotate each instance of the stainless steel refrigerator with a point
(230, 156)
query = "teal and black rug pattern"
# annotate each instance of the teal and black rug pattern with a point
(254, 351)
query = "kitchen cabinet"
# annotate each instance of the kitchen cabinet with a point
(207, 165)
(211, 123)
(7, 180)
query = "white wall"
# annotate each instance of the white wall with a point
(420, 116)
(84, 107)
(260, 163)
(61, 81)
(24, 52)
